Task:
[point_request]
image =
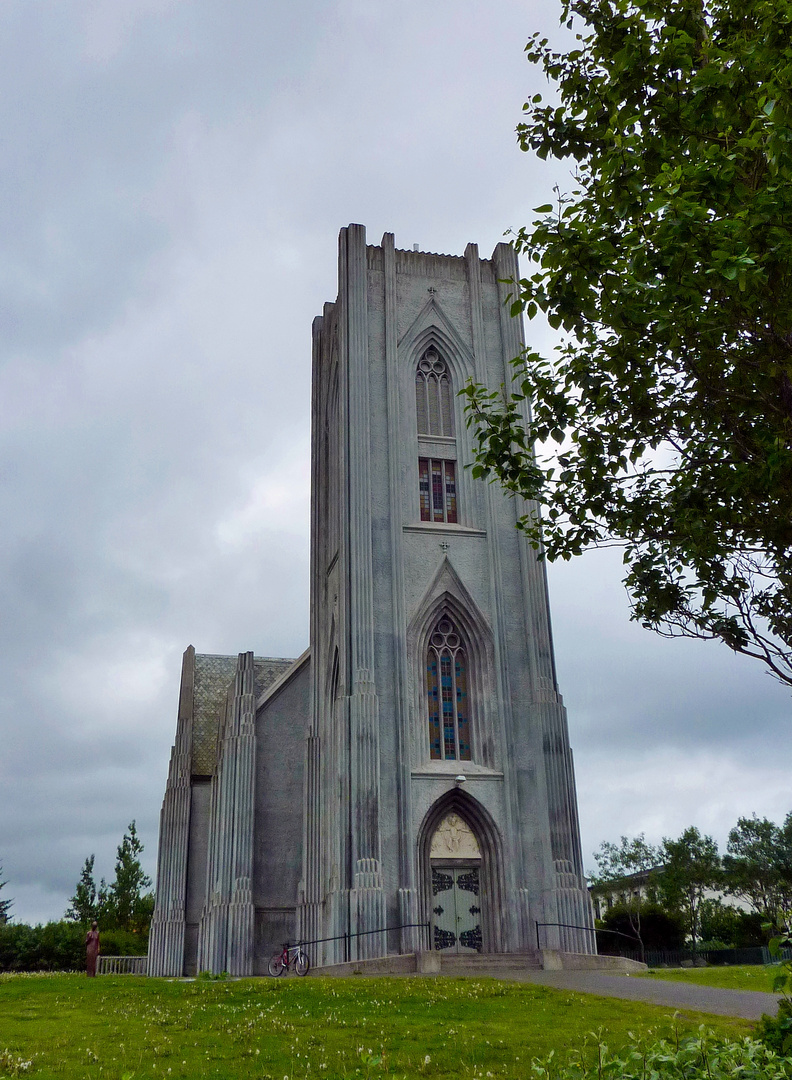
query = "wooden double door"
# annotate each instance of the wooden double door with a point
(456, 908)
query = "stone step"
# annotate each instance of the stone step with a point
(491, 962)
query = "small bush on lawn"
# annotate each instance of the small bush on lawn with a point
(776, 1031)
(703, 1057)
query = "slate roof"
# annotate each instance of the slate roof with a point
(213, 676)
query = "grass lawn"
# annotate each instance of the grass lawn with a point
(119, 1028)
(743, 977)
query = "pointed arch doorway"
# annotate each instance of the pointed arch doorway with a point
(470, 841)
(455, 861)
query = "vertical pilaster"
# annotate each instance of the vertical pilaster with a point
(227, 924)
(498, 591)
(212, 928)
(400, 679)
(367, 908)
(309, 909)
(166, 945)
(242, 749)
(570, 896)
(309, 901)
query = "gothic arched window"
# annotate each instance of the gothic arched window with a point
(447, 693)
(433, 396)
(435, 417)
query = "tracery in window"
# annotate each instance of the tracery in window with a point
(433, 396)
(437, 446)
(447, 694)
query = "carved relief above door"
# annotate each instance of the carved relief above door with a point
(454, 839)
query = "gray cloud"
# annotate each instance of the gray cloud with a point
(174, 177)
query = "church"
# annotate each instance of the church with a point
(407, 783)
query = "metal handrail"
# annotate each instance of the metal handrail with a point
(591, 929)
(346, 938)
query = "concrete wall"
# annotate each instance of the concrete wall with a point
(200, 791)
(281, 725)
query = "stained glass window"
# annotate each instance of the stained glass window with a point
(423, 485)
(434, 712)
(438, 510)
(450, 492)
(437, 488)
(447, 694)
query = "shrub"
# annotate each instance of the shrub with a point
(658, 928)
(55, 946)
(60, 946)
(737, 929)
(776, 1031)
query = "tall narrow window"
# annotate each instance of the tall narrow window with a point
(433, 396)
(447, 695)
(437, 445)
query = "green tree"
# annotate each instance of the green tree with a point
(757, 865)
(660, 929)
(625, 870)
(5, 905)
(127, 905)
(736, 929)
(691, 868)
(668, 271)
(632, 855)
(84, 905)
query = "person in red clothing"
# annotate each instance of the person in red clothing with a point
(91, 950)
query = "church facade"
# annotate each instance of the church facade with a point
(412, 769)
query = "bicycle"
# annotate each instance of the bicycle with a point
(289, 956)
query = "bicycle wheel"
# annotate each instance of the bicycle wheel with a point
(301, 963)
(276, 965)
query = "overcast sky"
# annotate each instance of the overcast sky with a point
(174, 176)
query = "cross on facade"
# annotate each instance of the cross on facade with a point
(431, 290)
(444, 546)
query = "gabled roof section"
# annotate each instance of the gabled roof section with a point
(213, 678)
(432, 324)
(283, 679)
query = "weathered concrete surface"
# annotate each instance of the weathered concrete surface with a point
(556, 960)
(487, 964)
(404, 964)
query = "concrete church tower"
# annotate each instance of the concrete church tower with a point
(431, 777)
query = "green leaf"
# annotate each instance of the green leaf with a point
(666, 267)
